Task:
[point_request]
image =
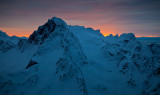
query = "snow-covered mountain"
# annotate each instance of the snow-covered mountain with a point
(139, 62)
(60, 59)
(7, 42)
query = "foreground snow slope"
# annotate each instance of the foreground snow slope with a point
(59, 59)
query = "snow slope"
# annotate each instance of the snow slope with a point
(60, 59)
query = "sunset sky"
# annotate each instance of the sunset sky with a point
(142, 17)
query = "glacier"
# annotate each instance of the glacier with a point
(61, 59)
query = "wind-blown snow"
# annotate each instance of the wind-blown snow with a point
(59, 59)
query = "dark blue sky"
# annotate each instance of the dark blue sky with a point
(142, 17)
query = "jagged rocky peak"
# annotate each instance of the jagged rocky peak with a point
(110, 36)
(128, 36)
(122, 37)
(45, 30)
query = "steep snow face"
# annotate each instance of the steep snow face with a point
(135, 59)
(44, 31)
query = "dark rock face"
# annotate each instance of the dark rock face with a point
(6, 45)
(157, 72)
(44, 31)
(31, 63)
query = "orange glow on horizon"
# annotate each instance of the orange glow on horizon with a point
(106, 31)
(16, 32)
(147, 36)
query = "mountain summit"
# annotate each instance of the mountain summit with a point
(53, 25)
(60, 59)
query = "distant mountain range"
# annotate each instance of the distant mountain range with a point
(60, 59)
(149, 39)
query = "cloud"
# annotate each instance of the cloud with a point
(24, 13)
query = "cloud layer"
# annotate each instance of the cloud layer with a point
(141, 17)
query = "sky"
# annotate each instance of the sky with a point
(141, 17)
